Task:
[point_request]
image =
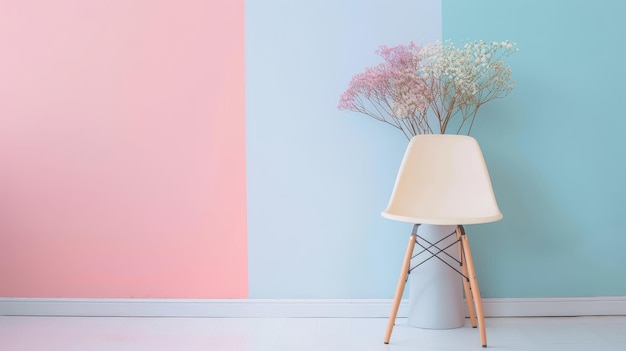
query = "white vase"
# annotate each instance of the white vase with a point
(435, 289)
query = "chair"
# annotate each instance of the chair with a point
(443, 180)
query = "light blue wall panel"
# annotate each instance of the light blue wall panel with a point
(318, 177)
(555, 147)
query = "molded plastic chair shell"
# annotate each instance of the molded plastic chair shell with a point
(443, 180)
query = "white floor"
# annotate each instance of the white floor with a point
(303, 334)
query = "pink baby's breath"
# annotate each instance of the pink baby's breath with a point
(416, 87)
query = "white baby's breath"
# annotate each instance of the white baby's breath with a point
(438, 80)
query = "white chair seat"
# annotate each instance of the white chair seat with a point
(443, 180)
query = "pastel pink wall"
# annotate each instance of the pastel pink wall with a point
(122, 149)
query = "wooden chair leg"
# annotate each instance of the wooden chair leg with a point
(404, 273)
(474, 287)
(466, 283)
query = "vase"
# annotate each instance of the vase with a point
(435, 289)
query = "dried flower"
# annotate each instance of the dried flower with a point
(416, 88)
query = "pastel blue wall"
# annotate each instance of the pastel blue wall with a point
(555, 147)
(318, 177)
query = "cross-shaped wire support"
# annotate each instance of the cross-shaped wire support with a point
(435, 254)
(470, 283)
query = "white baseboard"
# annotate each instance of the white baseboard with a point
(570, 306)
(493, 307)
